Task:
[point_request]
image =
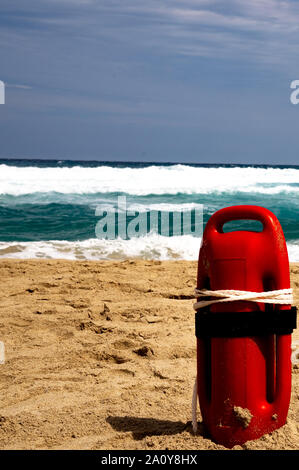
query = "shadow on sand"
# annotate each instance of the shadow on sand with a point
(142, 427)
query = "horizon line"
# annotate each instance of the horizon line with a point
(43, 159)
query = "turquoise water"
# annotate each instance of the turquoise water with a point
(48, 208)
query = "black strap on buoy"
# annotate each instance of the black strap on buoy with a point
(240, 324)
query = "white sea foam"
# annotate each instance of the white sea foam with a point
(155, 179)
(152, 246)
(147, 207)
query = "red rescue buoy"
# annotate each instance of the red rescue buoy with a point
(243, 348)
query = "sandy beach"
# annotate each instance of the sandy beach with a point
(102, 355)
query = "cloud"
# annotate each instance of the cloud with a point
(183, 27)
(179, 63)
(19, 86)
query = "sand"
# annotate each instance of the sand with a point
(102, 355)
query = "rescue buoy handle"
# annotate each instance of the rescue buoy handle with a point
(243, 212)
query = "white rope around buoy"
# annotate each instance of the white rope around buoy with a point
(280, 296)
(194, 407)
(295, 353)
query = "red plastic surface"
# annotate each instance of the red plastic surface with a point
(244, 383)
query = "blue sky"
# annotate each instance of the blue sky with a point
(157, 80)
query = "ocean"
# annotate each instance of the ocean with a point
(50, 209)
